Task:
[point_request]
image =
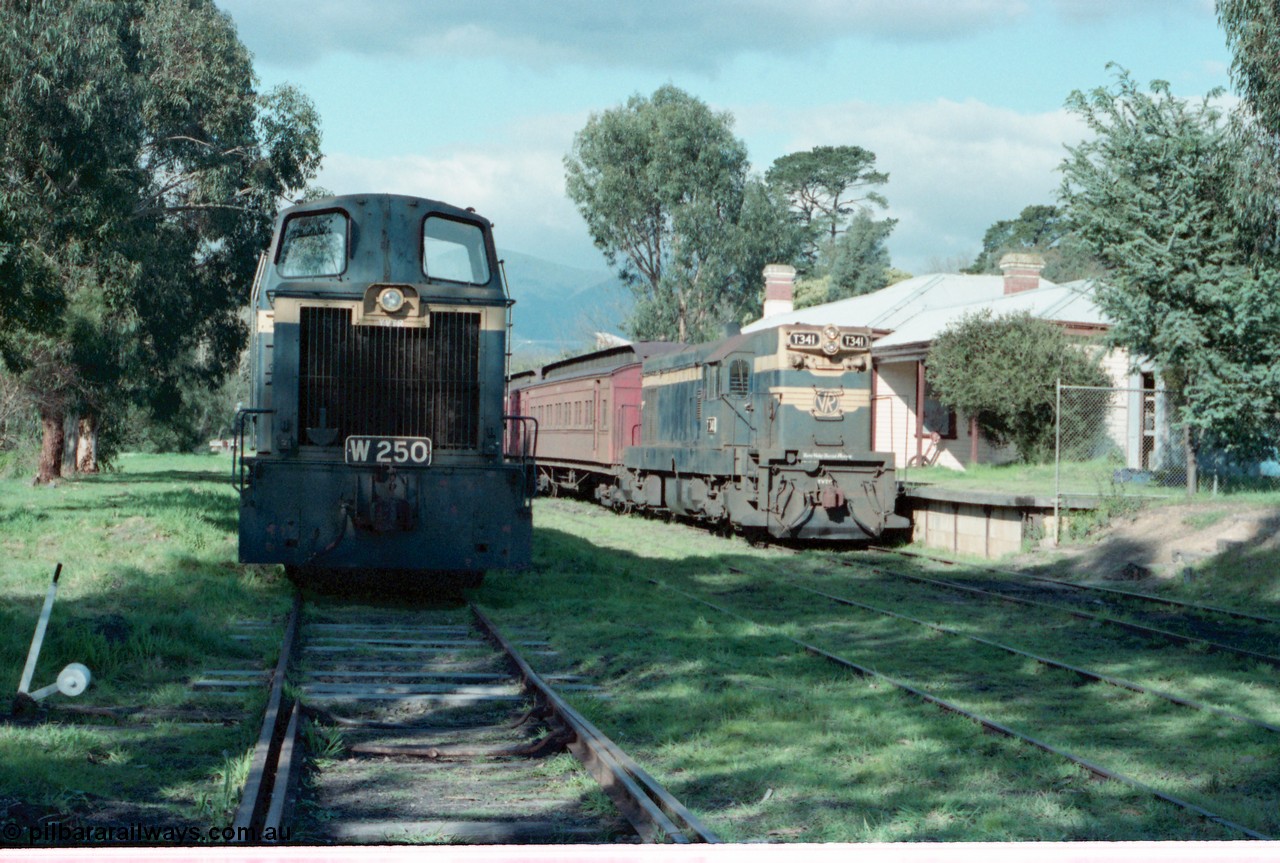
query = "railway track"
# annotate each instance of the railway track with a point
(431, 726)
(1096, 589)
(841, 658)
(1193, 625)
(951, 685)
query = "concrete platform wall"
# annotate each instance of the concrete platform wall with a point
(979, 529)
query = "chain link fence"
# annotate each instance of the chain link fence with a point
(1129, 442)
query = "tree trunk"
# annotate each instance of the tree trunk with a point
(52, 440)
(87, 445)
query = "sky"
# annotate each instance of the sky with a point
(477, 103)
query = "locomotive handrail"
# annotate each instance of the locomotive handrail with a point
(526, 456)
(237, 444)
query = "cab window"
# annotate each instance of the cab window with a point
(454, 251)
(739, 378)
(313, 244)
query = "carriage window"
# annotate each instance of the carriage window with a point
(739, 378)
(454, 251)
(313, 245)
(604, 414)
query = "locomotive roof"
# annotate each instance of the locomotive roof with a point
(361, 200)
(607, 359)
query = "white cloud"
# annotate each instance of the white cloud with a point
(517, 183)
(955, 168)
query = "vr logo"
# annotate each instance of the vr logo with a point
(826, 404)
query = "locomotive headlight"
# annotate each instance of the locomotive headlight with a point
(391, 300)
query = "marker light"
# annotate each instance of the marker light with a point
(832, 344)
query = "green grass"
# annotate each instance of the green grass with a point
(769, 743)
(149, 590)
(764, 741)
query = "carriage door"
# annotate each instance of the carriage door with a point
(741, 417)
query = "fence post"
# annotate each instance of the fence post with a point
(1057, 464)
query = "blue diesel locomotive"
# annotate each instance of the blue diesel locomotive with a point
(767, 433)
(375, 438)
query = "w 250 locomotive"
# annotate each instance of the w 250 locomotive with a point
(378, 363)
(765, 433)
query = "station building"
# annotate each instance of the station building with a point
(906, 417)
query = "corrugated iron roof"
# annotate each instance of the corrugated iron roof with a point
(918, 309)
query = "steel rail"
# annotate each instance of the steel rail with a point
(989, 724)
(256, 798)
(1131, 594)
(1052, 663)
(287, 775)
(645, 803)
(1077, 613)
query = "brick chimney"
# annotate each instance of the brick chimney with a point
(1021, 271)
(779, 287)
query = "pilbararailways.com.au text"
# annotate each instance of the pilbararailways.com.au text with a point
(59, 833)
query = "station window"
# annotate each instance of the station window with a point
(604, 414)
(739, 378)
(454, 251)
(313, 244)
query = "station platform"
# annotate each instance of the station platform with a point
(982, 523)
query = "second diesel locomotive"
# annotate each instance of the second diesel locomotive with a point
(765, 433)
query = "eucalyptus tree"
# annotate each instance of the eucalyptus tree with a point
(1253, 34)
(1043, 229)
(663, 185)
(1147, 193)
(141, 170)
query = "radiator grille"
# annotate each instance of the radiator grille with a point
(391, 380)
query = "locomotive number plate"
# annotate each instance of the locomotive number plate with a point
(363, 449)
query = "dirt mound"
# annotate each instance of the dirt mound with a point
(1163, 541)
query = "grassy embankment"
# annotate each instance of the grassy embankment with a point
(1103, 478)
(149, 588)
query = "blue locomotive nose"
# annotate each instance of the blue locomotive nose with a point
(378, 355)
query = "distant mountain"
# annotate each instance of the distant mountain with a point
(560, 308)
